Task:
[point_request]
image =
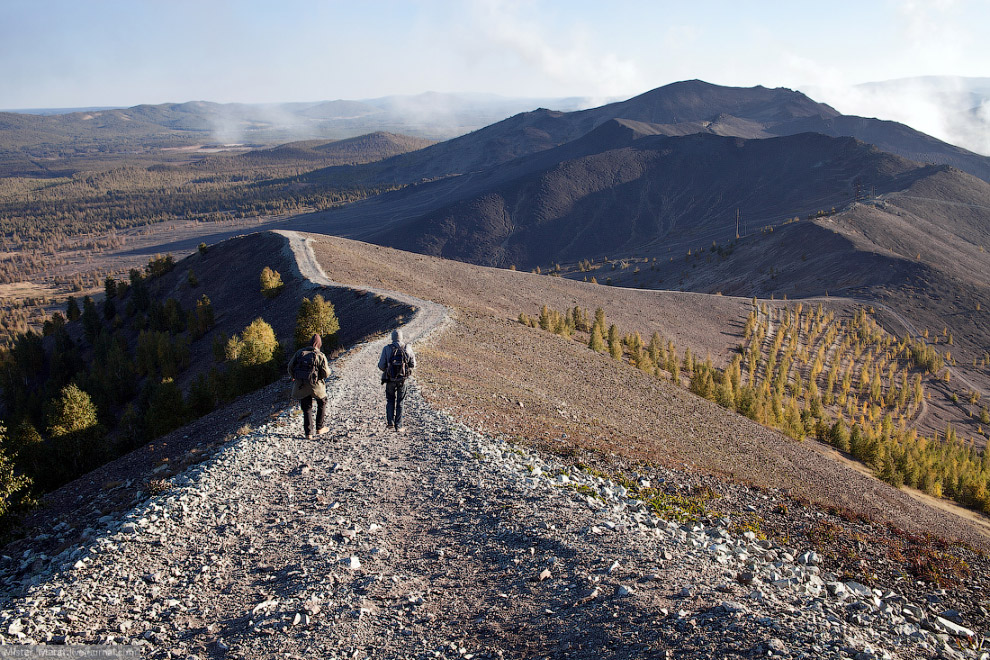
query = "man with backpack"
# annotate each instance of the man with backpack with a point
(308, 368)
(396, 364)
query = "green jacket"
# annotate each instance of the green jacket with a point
(300, 389)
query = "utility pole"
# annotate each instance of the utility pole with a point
(737, 222)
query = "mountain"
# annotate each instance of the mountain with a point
(624, 187)
(677, 109)
(820, 213)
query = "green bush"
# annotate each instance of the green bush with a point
(258, 343)
(13, 487)
(271, 282)
(73, 411)
(317, 317)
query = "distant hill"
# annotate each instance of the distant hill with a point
(951, 108)
(47, 132)
(677, 109)
(622, 188)
(350, 151)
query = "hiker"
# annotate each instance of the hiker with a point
(308, 368)
(396, 363)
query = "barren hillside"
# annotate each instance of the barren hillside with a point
(530, 385)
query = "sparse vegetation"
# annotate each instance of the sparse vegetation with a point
(845, 382)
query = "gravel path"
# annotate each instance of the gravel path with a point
(439, 542)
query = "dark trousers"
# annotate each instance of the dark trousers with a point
(394, 394)
(306, 403)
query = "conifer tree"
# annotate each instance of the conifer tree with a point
(656, 349)
(726, 396)
(317, 316)
(600, 320)
(545, 321)
(110, 287)
(596, 342)
(271, 282)
(72, 309)
(614, 342)
(90, 319)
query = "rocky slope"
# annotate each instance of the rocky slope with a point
(443, 542)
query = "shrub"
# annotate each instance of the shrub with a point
(160, 265)
(13, 487)
(271, 282)
(257, 344)
(316, 316)
(73, 411)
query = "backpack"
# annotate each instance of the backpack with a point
(305, 368)
(396, 368)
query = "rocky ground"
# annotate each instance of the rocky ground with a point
(444, 542)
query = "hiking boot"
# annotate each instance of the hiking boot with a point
(309, 436)
(323, 430)
(390, 425)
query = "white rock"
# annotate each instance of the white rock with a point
(954, 628)
(859, 590)
(352, 562)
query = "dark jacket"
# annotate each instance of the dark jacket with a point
(300, 389)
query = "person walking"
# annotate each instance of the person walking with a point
(308, 368)
(396, 364)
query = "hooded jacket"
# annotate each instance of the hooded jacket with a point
(300, 389)
(387, 353)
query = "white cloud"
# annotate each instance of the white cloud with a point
(571, 59)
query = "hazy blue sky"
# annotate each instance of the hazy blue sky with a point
(71, 53)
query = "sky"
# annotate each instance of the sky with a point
(72, 53)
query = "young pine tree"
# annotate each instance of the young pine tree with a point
(596, 342)
(317, 316)
(271, 282)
